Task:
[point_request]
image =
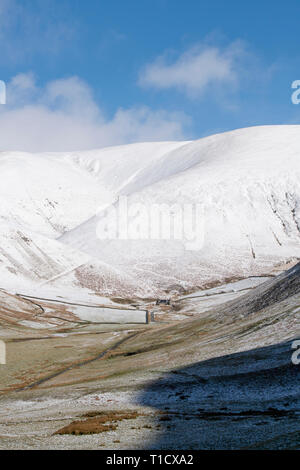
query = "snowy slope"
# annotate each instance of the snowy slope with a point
(116, 168)
(247, 182)
(27, 256)
(53, 193)
(52, 207)
(44, 195)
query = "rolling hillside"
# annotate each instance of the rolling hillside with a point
(245, 184)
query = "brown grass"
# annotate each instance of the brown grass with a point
(97, 422)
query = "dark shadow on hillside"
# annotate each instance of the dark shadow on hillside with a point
(243, 400)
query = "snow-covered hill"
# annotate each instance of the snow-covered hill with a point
(44, 195)
(247, 183)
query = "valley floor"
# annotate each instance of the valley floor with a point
(208, 373)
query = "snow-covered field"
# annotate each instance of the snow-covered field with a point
(52, 205)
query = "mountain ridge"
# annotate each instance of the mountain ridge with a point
(246, 180)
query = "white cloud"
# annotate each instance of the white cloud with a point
(63, 116)
(194, 71)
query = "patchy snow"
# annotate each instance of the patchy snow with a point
(35, 325)
(231, 287)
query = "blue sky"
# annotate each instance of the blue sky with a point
(116, 71)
